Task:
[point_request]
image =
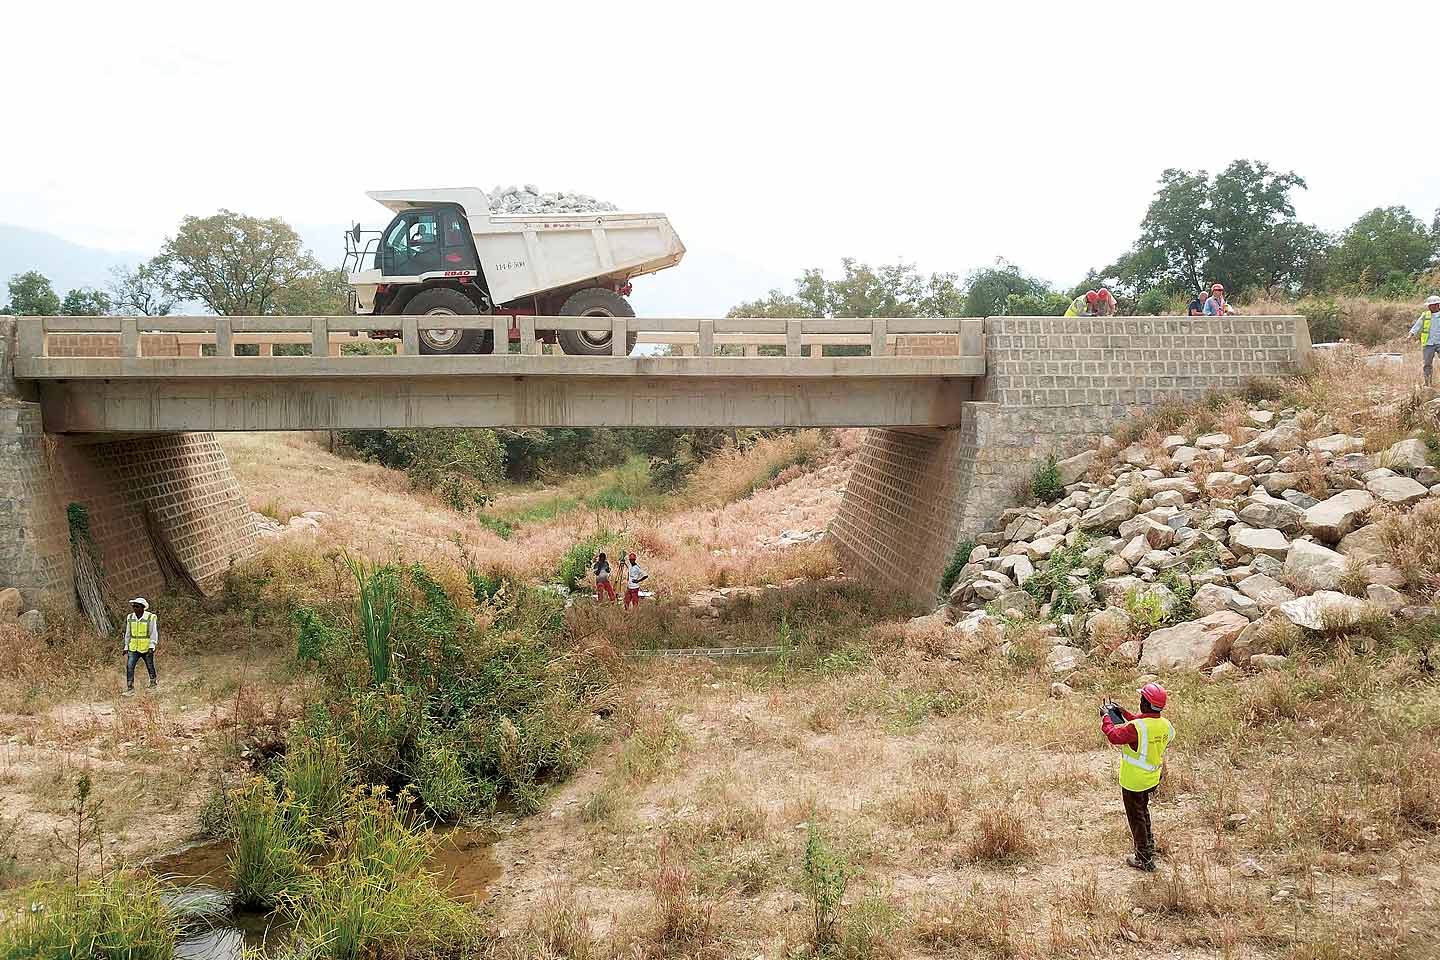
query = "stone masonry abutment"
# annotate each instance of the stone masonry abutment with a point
(1052, 385)
(182, 482)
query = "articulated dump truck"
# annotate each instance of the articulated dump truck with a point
(445, 253)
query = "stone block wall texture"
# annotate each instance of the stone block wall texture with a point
(183, 480)
(1052, 385)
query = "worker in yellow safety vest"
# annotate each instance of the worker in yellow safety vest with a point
(1142, 738)
(141, 637)
(1427, 328)
(1083, 305)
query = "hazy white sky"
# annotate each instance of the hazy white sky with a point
(783, 134)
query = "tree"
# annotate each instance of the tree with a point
(31, 295)
(1385, 243)
(141, 290)
(890, 290)
(324, 293)
(992, 291)
(1239, 228)
(85, 302)
(235, 264)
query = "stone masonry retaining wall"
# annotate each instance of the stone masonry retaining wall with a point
(1052, 385)
(184, 481)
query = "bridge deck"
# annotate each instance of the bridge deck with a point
(102, 375)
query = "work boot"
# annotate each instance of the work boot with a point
(1134, 861)
(129, 692)
(153, 684)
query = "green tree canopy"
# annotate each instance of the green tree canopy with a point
(235, 264)
(32, 295)
(1006, 289)
(889, 290)
(1239, 228)
(141, 290)
(1383, 244)
(85, 302)
(323, 293)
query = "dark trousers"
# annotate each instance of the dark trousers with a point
(1137, 811)
(131, 658)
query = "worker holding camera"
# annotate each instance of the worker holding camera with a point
(1142, 739)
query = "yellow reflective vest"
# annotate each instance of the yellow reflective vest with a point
(1078, 307)
(1140, 765)
(140, 632)
(1424, 321)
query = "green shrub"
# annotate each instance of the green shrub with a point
(826, 875)
(122, 916)
(575, 565)
(611, 498)
(671, 473)
(267, 855)
(316, 772)
(499, 526)
(958, 559)
(441, 780)
(314, 637)
(1157, 301)
(375, 896)
(1045, 483)
(375, 613)
(1325, 317)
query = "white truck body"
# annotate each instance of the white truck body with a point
(523, 255)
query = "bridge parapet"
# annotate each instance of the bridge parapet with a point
(215, 337)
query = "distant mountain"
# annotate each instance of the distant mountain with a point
(68, 265)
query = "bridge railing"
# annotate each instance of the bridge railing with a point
(130, 336)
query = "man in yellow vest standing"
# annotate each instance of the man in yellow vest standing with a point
(1427, 328)
(1142, 739)
(142, 635)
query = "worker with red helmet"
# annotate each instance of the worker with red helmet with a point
(1104, 302)
(1216, 305)
(1083, 305)
(1142, 738)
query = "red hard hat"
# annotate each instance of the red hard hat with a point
(1155, 694)
(1091, 296)
(632, 557)
(1217, 286)
(1104, 294)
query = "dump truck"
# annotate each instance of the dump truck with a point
(445, 253)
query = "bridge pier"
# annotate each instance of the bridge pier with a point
(1052, 386)
(160, 507)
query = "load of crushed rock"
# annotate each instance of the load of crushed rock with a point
(528, 199)
(1225, 543)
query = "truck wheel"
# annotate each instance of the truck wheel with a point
(448, 302)
(594, 302)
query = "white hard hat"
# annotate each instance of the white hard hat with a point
(1432, 301)
(142, 601)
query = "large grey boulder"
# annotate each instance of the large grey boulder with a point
(1158, 535)
(1247, 542)
(10, 604)
(1063, 659)
(1212, 597)
(1072, 469)
(1213, 441)
(1226, 485)
(1330, 520)
(1400, 491)
(1107, 517)
(1268, 511)
(1195, 645)
(1408, 456)
(1337, 444)
(1267, 592)
(1315, 565)
(33, 622)
(1184, 486)
(1323, 609)
(1386, 598)
(1277, 483)
(1364, 544)
(1278, 439)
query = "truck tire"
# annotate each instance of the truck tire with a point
(594, 302)
(449, 302)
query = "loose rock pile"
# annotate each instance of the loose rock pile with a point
(1216, 522)
(14, 616)
(529, 200)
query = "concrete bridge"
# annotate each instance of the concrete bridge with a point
(130, 375)
(117, 414)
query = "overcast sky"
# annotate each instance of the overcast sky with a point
(779, 134)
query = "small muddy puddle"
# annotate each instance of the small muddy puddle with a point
(463, 859)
